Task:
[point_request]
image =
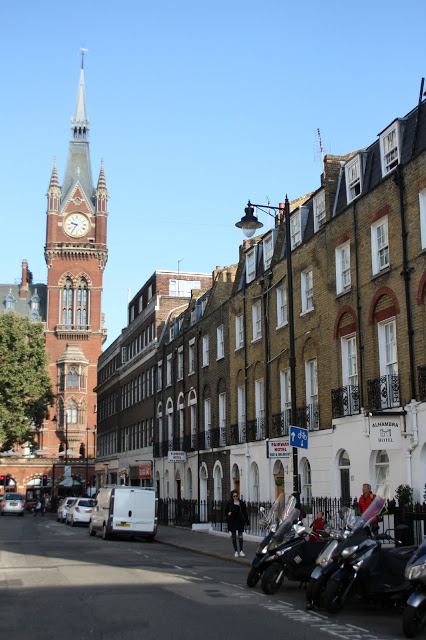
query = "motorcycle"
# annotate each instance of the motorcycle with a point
(414, 615)
(367, 570)
(325, 564)
(290, 555)
(271, 521)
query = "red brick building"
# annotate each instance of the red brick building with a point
(70, 308)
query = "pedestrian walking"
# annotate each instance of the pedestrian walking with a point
(237, 518)
(37, 508)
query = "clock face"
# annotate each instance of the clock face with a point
(76, 225)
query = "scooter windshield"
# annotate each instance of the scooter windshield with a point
(372, 511)
(276, 514)
(286, 525)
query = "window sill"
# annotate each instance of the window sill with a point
(255, 340)
(381, 272)
(238, 348)
(281, 326)
(307, 311)
(220, 358)
(339, 294)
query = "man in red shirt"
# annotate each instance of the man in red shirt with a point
(364, 502)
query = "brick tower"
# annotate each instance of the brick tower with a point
(76, 254)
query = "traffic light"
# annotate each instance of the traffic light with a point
(2, 480)
(44, 480)
(7, 480)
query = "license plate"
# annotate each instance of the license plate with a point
(13, 504)
(88, 510)
(122, 524)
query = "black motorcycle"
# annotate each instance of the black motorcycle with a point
(325, 564)
(414, 616)
(278, 515)
(367, 570)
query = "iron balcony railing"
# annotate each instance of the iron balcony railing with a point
(308, 417)
(281, 423)
(383, 392)
(345, 401)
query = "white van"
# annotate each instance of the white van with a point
(129, 511)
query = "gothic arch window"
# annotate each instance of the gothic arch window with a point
(72, 412)
(10, 301)
(82, 304)
(67, 303)
(72, 378)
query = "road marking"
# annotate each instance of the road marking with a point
(321, 622)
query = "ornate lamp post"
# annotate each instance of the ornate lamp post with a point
(249, 223)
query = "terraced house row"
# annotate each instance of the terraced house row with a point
(195, 394)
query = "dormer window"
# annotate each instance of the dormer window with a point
(353, 178)
(296, 235)
(390, 148)
(319, 209)
(251, 265)
(268, 250)
(10, 301)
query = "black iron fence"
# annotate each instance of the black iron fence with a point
(185, 513)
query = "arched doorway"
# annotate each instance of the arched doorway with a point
(203, 493)
(344, 470)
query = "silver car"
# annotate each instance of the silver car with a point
(61, 513)
(12, 503)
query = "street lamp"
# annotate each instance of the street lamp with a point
(249, 224)
(87, 458)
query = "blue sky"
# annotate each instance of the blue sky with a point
(195, 107)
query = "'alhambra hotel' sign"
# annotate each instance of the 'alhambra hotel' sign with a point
(385, 432)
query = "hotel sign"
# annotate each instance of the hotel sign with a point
(385, 432)
(177, 456)
(279, 448)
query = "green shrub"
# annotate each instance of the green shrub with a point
(404, 494)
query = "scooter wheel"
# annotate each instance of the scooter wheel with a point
(334, 598)
(253, 577)
(413, 620)
(271, 582)
(317, 589)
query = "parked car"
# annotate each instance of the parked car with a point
(63, 508)
(12, 503)
(79, 511)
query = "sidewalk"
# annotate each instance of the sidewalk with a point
(210, 543)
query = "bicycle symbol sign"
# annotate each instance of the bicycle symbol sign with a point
(299, 437)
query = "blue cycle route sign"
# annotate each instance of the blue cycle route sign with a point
(299, 437)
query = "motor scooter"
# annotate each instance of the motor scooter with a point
(414, 615)
(278, 513)
(367, 570)
(325, 564)
(294, 560)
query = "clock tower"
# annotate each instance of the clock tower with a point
(76, 254)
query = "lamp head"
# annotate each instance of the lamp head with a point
(249, 222)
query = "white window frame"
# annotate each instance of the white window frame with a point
(307, 289)
(311, 377)
(343, 267)
(285, 389)
(319, 209)
(191, 356)
(295, 229)
(282, 308)
(206, 355)
(268, 250)
(251, 265)
(388, 351)
(256, 311)
(207, 415)
(169, 370)
(180, 363)
(220, 342)
(241, 409)
(353, 177)
(349, 360)
(169, 415)
(422, 207)
(380, 254)
(390, 148)
(239, 331)
(222, 412)
(259, 399)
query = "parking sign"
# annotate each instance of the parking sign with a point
(299, 437)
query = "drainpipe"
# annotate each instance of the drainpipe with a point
(406, 273)
(358, 310)
(414, 441)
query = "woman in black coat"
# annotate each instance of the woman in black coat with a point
(237, 518)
